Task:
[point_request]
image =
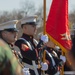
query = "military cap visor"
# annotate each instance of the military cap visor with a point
(11, 30)
(29, 23)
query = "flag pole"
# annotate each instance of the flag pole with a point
(44, 24)
(62, 70)
(44, 16)
(44, 28)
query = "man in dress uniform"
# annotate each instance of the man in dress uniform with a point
(28, 47)
(8, 62)
(54, 62)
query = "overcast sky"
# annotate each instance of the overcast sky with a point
(9, 5)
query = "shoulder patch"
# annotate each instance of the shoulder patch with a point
(24, 47)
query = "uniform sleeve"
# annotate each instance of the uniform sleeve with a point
(2, 58)
(29, 54)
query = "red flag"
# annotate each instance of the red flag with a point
(57, 24)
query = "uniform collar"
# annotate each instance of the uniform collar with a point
(27, 37)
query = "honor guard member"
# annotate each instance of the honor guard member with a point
(27, 46)
(8, 32)
(8, 62)
(54, 63)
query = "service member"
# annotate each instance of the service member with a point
(27, 46)
(9, 32)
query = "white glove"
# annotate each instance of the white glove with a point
(44, 66)
(44, 38)
(63, 58)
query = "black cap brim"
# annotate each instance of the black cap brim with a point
(11, 30)
(30, 23)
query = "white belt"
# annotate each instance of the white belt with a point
(32, 67)
(58, 73)
(35, 67)
(29, 66)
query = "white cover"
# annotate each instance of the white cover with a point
(28, 19)
(9, 24)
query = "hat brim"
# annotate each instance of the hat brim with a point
(29, 23)
(12, 30)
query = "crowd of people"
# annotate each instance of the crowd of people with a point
(24, 55)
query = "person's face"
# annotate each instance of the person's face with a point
(30, 29)
(10, 37)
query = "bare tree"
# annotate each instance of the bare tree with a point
(4, 17)
(27, 7)
(16, 14)
(72, 17)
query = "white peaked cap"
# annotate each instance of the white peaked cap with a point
(29, 19)
(9, 25)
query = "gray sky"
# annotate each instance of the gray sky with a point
(9, 5)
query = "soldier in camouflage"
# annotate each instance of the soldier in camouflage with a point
(8, 63)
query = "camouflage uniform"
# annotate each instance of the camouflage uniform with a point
(8, 63)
